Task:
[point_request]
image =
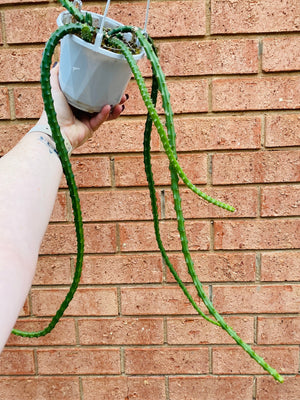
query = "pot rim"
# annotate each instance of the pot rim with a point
(111, 23)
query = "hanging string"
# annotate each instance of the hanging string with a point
(147, 15)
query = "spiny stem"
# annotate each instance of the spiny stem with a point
(158, 124)
(73, 11)
(63, 154)
(175, 170)
(149, 174)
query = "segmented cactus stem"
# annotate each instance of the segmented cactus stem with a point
(168, 141)
(175, 171)
(150, 179)
(154, 115)
(63, 154)
(73, 11)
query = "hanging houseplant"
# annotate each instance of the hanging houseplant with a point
(132, 43)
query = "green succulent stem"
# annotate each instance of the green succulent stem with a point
(114, 38)
(175, 172)
(154, 115)
(63, 154)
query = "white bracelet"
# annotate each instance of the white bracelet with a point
(46, 129)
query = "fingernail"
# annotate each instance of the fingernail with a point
(127, 96)
(54, 64)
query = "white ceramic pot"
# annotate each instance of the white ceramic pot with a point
(90, 76)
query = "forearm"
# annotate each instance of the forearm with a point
(29, 178)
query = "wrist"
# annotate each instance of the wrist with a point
(45, 129)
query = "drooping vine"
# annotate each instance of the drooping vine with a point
(115, 39)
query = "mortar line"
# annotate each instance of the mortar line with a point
(167, 387)
(81, 394)
(112, 172)
(208, 19)
(12, 104)
(254, 392)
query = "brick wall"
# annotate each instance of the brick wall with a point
(232, 68)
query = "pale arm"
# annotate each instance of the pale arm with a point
(29, 178)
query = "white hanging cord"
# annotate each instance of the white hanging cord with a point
(78, 3)
(147, 15)
(99, 37)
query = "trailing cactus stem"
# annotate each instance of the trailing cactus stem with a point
(73, 11)
(61, 149)
(149, 174)
(175, 169)
(84, 28)
(159, 126)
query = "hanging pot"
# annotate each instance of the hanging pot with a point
(89, 75)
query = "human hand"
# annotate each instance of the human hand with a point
(78, 126)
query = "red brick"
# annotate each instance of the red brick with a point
(11, 135)
(117, 331)
(209, 57)
(130, 171)
(245, 201)
(59, 212)
(280, 201)
(275, 330)
(62, 334)
(280, 266)
(118, 205)
(17, 362)
(233, 360)
(217, 133)
(166, 361)
(242, 16)
(193, 134)
(140, 236)
(193, 97)
(283, 130)
(33, 25)
(66, 388)
(256, 167)
(139, 268)
(119, 136)
(156, 301)
(281, 54)
(23, 1)
(4, 103)
(198, 331)
(268, 234)
(163, 17)
(53, 271)
(224, 267)
(28, 102)
(20, 65)
(86, 301)
(25, 311)
(78, 361)
(266, 389)
(82, 168)
(209, 388)
(117, 388)
(256, 94)
(99, 238)
(256, 299)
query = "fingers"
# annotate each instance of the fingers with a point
(116, 111)
(99, 118)
(124, 98)
(108, 113)
(54, 77)
(119, 108)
